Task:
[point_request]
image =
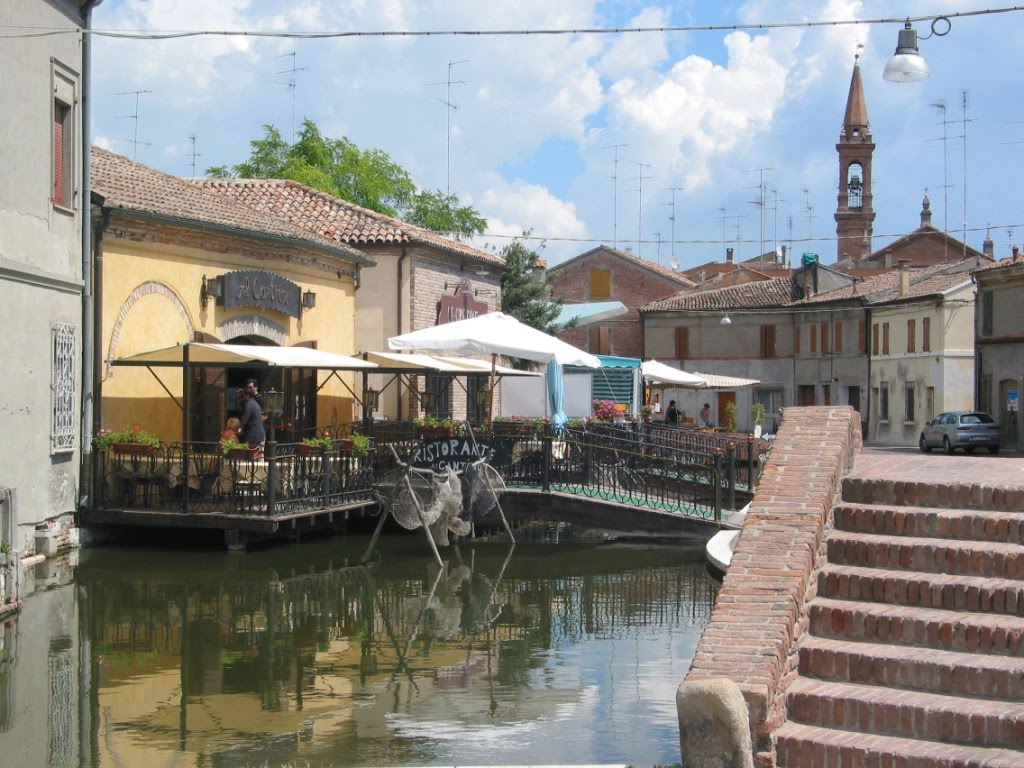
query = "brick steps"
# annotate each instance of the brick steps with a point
(967, 558)
(907, 667)
(922, 590)
(914, 652)
(925, 628)
(958, 524)
(906, 714)
(805, 746)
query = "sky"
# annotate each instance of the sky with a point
(589, 139)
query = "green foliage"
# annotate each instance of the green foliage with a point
(127, 434)
(5, 547)
(525, 294)
(757, 413)
(431, 422)
(729, 420)
(366, 177)
(360, 444)
(441, 213)
(322, 442)
(230, 444)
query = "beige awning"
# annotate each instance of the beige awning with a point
(715, 381)
(393, 362)
(200, 354)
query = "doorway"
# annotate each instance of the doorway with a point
(724, 400)
(1009, 413)
(805, 392)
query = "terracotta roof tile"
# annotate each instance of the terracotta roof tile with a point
(776, 292)
(885, 288)
(333, 218)
(132, 186)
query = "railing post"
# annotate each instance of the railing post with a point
(731, 473)
(752, 468)
(271, 446)
(546, 441)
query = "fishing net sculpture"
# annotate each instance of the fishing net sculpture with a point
(422, 498)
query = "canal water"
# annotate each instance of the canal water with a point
(544, 653)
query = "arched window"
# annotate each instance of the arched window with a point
(854, 186)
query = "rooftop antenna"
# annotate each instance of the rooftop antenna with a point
(451, 107)
(672, 218)
(134, 117)
(657, 235)
(809, 210)
(940, 105)
(615, 194)
(725, 219)
(761, 202)
(964, 103)
(192, 140)
(292, 85)
(640, 210)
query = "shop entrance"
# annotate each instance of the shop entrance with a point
(215, 396)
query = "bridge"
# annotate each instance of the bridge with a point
(637, 479)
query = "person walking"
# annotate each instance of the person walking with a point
(251, 430)
(672, 414)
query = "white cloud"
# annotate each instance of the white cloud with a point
(637, 54)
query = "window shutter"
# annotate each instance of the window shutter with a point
(926, 334)
(874, 339)
(796, 339)
(911, 335)
(838, 333)
(58, 153)
(813, 349)
(824, 338)
(600, 341)
(885, 338)
(767, 341)
(682, 343)
(600, 283)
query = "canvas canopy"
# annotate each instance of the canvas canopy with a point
(201, 354)
(392, 362)
(496, 334)
(592, 312)
(659, 373)
(714, 381)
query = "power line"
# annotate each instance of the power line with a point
(167, 35)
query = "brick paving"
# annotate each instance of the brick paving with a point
(1003, 469)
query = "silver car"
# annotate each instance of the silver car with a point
(961, 429)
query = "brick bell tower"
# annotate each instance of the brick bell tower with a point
(855, 216)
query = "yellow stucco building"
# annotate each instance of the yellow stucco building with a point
(176, 263)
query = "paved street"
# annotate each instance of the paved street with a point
(1006, 468)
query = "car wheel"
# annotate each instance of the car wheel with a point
(969, 449)
(946, 445)
(993, 449)
(923, 445)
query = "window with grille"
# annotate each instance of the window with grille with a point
(883, 401)
(600, 283)
(911, 335)
(439, 390)
(771, 399)
(926, 334)
(63, 388)
(986, 313)
(908, 401)
(476, 388)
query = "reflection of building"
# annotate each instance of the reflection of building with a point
(999, 330)
(42, 277)
(421, 279)
(178, 263)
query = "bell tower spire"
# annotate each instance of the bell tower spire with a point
(854, 215)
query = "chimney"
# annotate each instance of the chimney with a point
(865, 249)
(904, 277)
(728, 255)
(987, 247)
(807, 290)
(1016, 253)
(926, 212)
(782, 256)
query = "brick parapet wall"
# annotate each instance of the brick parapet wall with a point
(761, 610)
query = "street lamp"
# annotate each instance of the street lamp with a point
(907, 65)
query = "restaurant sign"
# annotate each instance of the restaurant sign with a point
(460, 305)
(451, 452)
(252, 288)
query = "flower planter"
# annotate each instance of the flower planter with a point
(505, 428)
(243, 454)
(133, 449)
(305, 449)
(435, 431)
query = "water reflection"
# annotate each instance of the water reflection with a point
(541, 654)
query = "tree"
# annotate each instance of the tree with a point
(524, 293)
(369, 178)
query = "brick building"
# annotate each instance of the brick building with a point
(606, 274)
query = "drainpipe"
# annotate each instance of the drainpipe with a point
(867, 347)
(398, 304)
(89, 289)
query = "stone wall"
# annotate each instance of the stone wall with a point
(761, 610)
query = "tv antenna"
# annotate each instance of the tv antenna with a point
(761, 202)
(134, 117)
(809, 210)
(615, 193)
(291, 83)
(192, 140)
(450, 107)
(672, 218)
(640, 198)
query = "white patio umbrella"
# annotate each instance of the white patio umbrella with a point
(495, 334)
